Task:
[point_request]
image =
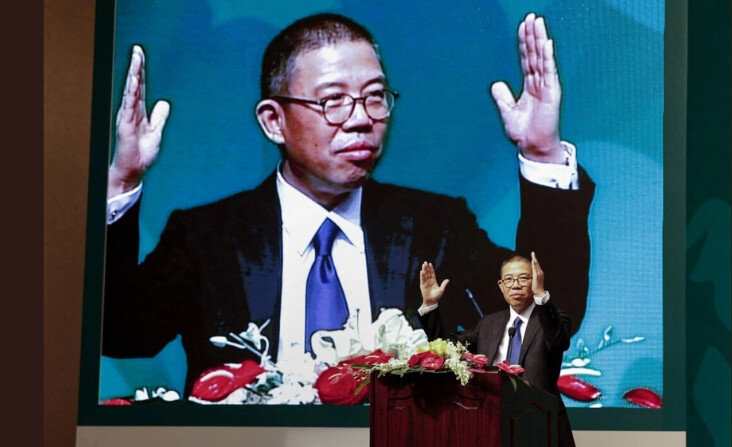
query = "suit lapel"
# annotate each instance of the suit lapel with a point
(531, 330)
(496, 330)
(258, 241)
(388, 241)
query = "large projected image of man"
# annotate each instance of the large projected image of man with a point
(319, 245)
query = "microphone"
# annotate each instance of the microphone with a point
(511, 333)
(475, 303)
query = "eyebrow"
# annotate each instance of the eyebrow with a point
(378, 79)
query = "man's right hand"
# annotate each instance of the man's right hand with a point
(431, 290)
(138, 136)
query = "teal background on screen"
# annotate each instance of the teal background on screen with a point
(445, 136)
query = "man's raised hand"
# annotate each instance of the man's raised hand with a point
(431, 290)
(532, 121)
(537, 277)
(138, 136)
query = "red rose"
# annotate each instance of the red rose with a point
(375, 358)
(245, 372)
(479, 359)
(577, 389)
(216, 383)
(432, 361)
(116, 401)
(510, 369)
(337, 386)
(416, 359)
(643, 397)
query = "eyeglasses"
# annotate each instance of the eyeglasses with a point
(338, 108)
(522, 281)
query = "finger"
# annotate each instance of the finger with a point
(141, 53)
(537, 272)
(134, 69)
(142, 108)
(130, 93)
(127, 110)
(550, 77)
(428, 272)
(159, 116)
(523, 50)
(444, 285)
(539, 41)
(540, 31)
(503, 97)
(530, 39)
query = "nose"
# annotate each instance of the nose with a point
(359, 118)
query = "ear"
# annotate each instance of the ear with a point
(271, 119)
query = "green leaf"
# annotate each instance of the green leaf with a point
(364, 383)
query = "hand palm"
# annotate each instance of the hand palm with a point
(431, 290)
(532, 121)
(534, 118)
(138, 136)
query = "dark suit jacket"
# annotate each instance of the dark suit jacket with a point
(546, 338)
(217, 267)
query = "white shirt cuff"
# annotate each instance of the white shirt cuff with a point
(561, 176)
(425, 309)
(541, 300)
(118, 205)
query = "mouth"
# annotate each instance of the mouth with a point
(358, 151)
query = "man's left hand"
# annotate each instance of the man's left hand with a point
(537, 277)
(532, 122)
(431, 290)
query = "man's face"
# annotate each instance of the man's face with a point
(326, 160)
(517, 296)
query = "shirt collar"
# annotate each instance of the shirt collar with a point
(302, 216)
(525, 315)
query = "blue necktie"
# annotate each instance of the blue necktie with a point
(514, 349)
(325, 302)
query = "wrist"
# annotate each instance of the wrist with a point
(542, 298)
(545, 152)
(120, 182)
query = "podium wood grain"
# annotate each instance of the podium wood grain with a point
(433, 409)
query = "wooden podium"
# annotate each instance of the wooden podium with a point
(433, 409)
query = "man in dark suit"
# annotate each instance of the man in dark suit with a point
(532, 332)
(326, 104)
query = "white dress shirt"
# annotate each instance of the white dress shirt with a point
(301, 218)
(503, 346)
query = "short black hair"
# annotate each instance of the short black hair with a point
(514, 257)
(309, 33)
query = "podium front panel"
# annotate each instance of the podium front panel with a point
(433, 409)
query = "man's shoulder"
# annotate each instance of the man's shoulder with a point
(247, 202)
(407, 196)
(431, 211)
(497, 314)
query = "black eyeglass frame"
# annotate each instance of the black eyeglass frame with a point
(509, 282)
(322, 102)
